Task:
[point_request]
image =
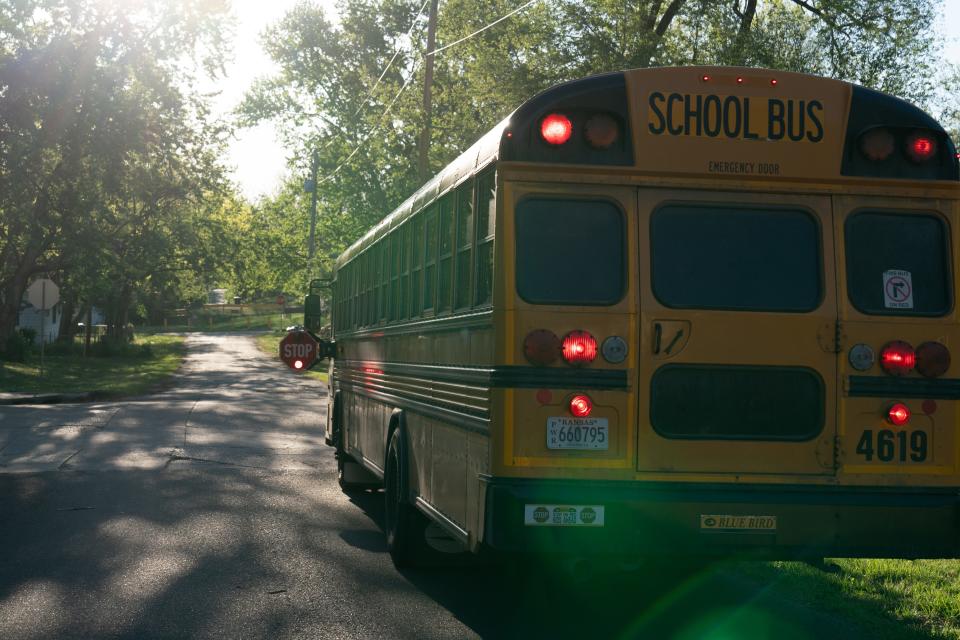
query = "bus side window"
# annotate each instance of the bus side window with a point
(416, 266)
(430, 258)
(486, 219)
(382, 296)
(394, 270)
(445, 287)
(464, 244)
(403, 308)
(362, 293)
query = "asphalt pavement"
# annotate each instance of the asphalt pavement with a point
(212, 511)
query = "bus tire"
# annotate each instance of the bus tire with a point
(403, 523)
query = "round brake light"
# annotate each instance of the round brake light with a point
(579, 348)
(556, 128)
(898, 414)
(898, 358)
(541, 347)
(920, 146)
(581, 406)
(933, 359)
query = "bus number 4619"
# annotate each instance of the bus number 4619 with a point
(888, 445)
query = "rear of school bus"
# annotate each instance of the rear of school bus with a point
(726, 312)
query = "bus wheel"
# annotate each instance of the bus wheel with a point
(404, 525)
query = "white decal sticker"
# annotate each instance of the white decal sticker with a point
(897, 289)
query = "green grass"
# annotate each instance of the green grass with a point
(269, 343)
(118, 375)
(271, 321)
(891, 598)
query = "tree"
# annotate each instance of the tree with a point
(333, 96)
(103, 145)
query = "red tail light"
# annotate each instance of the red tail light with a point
(556, 128)
(581, 406)
(921, 147)
(541, 347)
(898, 358)
(898, 414)
(933, 359)
(579, 348)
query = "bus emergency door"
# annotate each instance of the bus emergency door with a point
(737, 362)
(897, 296)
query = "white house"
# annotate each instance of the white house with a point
(30, 319)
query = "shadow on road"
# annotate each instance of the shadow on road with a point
(558, 597)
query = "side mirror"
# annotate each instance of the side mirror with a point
(312, 312)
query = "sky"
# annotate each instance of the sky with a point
(256, 157)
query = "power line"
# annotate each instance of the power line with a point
(395, 54)
(413, 71)
(373, 130)
(482, 29)
(383, 74)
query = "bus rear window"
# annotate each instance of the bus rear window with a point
(570, 252)
(897, 264)
(737, 258)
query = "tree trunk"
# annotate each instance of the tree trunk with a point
(68, 320)
(10, 300)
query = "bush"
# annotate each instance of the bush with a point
(61, 348)
(120, 348)
(18, 347)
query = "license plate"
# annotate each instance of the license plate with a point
(589, 434)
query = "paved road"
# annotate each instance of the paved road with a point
(212, 510)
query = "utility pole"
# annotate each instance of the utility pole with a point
(312, 188)
(423, 165)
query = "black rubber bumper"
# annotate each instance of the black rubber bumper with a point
(682, 520)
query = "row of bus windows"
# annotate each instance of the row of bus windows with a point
(730, 257)
(439, 261)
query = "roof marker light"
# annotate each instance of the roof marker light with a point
(739, 79)
(705, 78)
(773, 82)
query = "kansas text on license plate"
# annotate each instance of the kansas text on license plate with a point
(577, 433)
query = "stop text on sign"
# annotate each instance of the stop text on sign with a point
(297, 350)
(735, 117)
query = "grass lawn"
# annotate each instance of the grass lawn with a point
(273, 321)
(115, 375)
(891, 598)
(269, 343)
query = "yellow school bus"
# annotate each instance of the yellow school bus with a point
(693, 311)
